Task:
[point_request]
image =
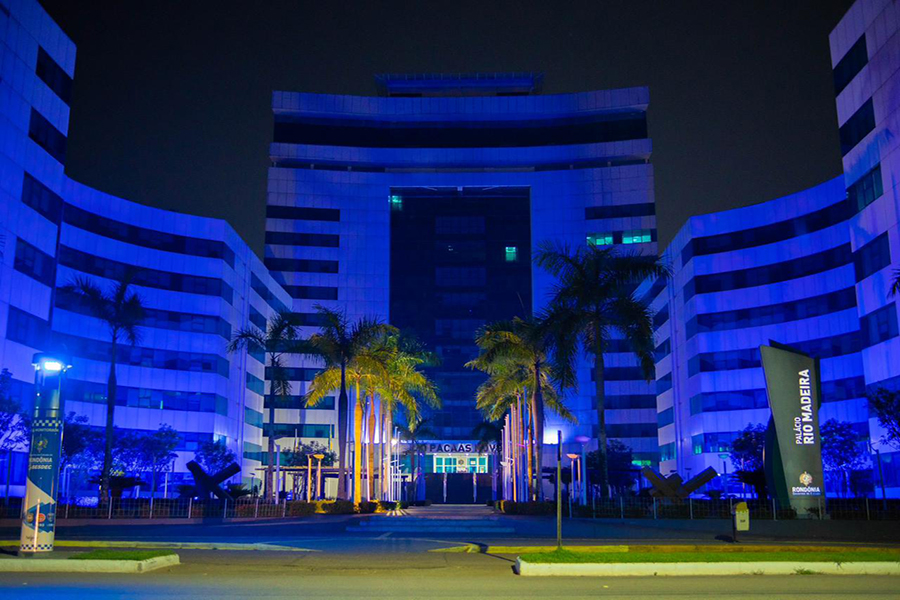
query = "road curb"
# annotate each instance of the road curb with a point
(61, 565)
(527, 569)
(166, 545)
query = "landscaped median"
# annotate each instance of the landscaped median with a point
(708, 560)
(95, 561)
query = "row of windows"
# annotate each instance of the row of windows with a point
(165, 280)
(298, 402)
(631, 236)
(713, 442)
(664, 383)
(772, 313)
(255, 384)
(852, 63)
(188, 441)
(857, 127)
(474, 134)
(460, 276)
(832, 391)
(95, 393)
(620, 211)
(767, 234)
(622, 374)
(319, 240)
(748, 358)
(661, 317)
(258, 319)
(872, 257)
(35, 263)
(629, 430)
(54, 76)
(33, 331)
(879, 325)
(266, 294)
(47, 136)
(628, 401)
(303, 213)
(302, 430)
(667, 451)
(774, 273)
(51, 206)
(292, 373)
(302, 265)
(155, 318)
(663, 350)
(865, 190)
(299, 319)
(254, 418)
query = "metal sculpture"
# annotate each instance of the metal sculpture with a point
(674, 486)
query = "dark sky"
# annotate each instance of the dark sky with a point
(171, 99)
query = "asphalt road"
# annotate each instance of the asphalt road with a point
(400, 575)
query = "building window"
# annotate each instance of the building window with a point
(319, 240)
(301, 265)
(865, 190)
(600, 239)
(647, 209)
(396, 202)
(47, 136)
(667, 451)
(33, 262)
(872, 257)
(879, 325)
(636, 236)
(857, 127)
(666, 417)
(54, 76)
(41, 198)
(512, 254)
(852, 63)
(312, 292)
(303, 213)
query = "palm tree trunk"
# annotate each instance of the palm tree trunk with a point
(601, 414)
(358, 417)
(370, 450)
(537, 409)
(381, 449)
(343, 413)
(529, 447)
(388, 448)
(110, 420)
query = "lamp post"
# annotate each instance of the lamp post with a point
(575, 467)
(583, 440)
(319, 458)
(42, 486)
(724, 456)
(308, 478)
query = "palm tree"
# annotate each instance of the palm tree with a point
(895, 286)
(341, 346)
(404, 384)
(122, 310)
(490, 435)
(413, 431)
(594, 297)
(279, 338)
(527, 343)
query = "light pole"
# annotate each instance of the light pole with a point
(575, 466)
(309, 477)
(42, 485)
(319, 458)
(724, 456)
(583, 440)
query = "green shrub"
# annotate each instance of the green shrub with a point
(299, 509)
(337, 507)
(386, 506)
(366, 508)
(509, 507)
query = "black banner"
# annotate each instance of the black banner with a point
(794, 456)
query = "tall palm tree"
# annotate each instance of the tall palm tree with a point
(489, 436)
(122, 310)
(404, 384)
(524, 342)
(343, 347)
(413, 431)
(279, 339)
(594, 297)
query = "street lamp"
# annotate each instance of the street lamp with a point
(39, 510)
(319, 458)
(575, 464)
(583, 440)
(724, 456)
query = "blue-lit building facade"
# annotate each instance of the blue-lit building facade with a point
(422, 206)
(811, 270)
(199, 281)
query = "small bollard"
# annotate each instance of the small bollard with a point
(741, 520)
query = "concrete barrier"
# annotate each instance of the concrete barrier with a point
(527, 569)
(62, 565)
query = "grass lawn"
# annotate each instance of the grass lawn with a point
(115, 554)
(567, 556)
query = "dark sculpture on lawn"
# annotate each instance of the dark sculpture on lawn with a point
(674, 487)
(205, 484)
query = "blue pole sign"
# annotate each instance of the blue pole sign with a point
(42, 485)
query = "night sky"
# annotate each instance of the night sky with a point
(171, 99)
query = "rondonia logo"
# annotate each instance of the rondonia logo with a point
(806, 478)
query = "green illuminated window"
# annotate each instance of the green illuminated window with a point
(600, 239)
(512, 254)
(396, 202)
(636, 236)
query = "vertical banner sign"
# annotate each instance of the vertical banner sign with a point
(39, 510)
(793, 389)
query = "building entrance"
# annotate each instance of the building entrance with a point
(458, 488)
